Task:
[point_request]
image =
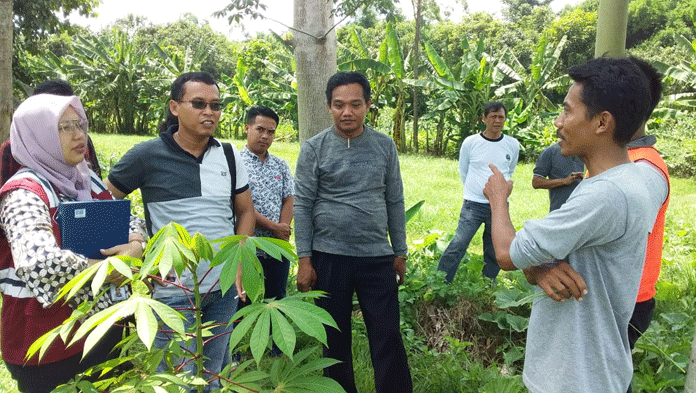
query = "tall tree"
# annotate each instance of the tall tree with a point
(5, 67)
(516, 9)
(314, 40)
(416, 59)
(690, 385)
(28, 19)
(315, 57)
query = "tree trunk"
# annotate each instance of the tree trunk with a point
(612, 18)
(398, 126)
(6, 32)
(690, 385)
(315, 59)
(416, 60)
(439, 136)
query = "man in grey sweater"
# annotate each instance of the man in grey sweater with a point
(350, 233)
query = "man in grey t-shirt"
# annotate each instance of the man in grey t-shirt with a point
(581, 344)
(557, 173)
(350, 231)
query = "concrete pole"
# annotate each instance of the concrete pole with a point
(612, 19)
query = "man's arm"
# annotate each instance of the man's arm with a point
(281, 229)
(497, 190)
(542, 182)
(244, 213)
(114, 191)
(559, 281)
(463, 162)
(396, 214)
(306, 186)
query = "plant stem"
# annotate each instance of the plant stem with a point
(199, 329)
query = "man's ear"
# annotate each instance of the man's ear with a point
(605, 124)
(174, 107)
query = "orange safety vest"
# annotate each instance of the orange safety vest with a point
(653, 255)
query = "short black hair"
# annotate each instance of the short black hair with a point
(346, 78)
(654, 82)
(178, 91)
(57, 87)
(265, 111)
(493, 106)
(617, 86)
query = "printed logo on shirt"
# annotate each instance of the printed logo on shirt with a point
(223, 173)
(277, 177)
(507, 157)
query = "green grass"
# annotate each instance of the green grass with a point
(436, 180)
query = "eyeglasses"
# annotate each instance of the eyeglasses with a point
(200, 104)
(73, 126)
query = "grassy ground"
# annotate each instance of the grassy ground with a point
(436, 181)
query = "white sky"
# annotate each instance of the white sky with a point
(164, 11)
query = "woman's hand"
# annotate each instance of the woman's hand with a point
(132, 249)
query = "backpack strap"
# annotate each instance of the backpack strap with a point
(232, 166)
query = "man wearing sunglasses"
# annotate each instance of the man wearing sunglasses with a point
(189, 177)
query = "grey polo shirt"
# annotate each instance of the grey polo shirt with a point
(176, 186)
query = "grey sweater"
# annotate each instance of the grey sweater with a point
(349, 196)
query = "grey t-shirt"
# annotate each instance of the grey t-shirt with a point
(583, 346)
(349, 198)
(554, 165)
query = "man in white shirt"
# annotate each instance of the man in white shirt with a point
(489, 147)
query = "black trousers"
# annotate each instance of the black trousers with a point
(374, 281)
(640, 320)
(45, 377)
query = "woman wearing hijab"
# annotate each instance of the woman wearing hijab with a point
(48, 136)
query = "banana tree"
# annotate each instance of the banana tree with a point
(685, 72)
(529, 85)
(458, 92)
(388, 73)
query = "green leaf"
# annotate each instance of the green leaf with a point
(98, 333)
(243, 327)
(259, 336)
(436, 61)
(99, 276)
(308, 319)
(202, 247)
(413, 210)
(145, 324)
(119, 264)
(168, 315)
(315, 384)
(283, 333)
(396, 59)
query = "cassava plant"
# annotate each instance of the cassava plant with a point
(173, 248)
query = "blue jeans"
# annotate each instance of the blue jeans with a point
(216, 308)
(473, 214)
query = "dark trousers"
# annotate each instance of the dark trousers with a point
(45, 377)
(275, 276)
(374, 281)
(640, 320)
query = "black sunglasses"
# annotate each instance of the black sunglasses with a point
(200, 104)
